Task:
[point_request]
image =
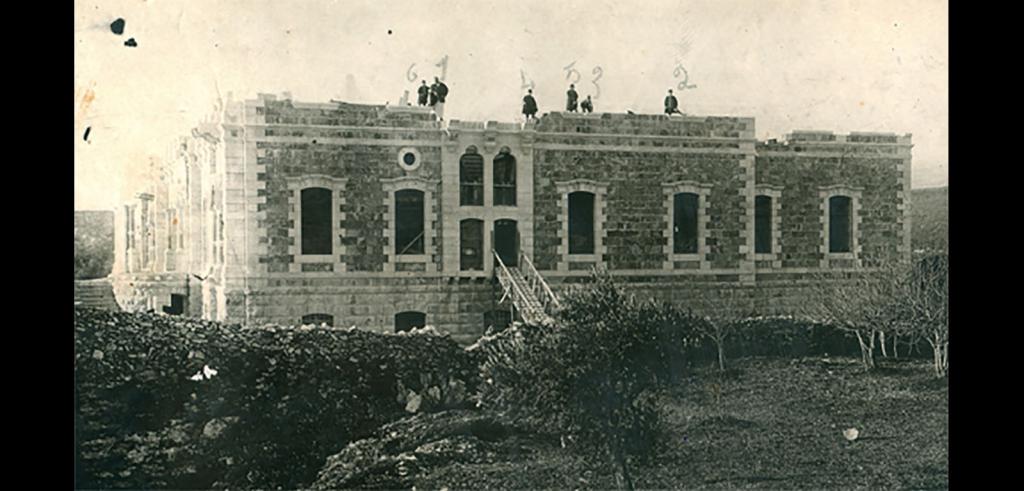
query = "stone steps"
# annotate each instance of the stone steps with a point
(528, 304)
(95, 293)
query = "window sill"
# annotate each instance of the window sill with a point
(582, 257)
(314, 258)
(411, 258)
(472, 273)
(689, 256)
(840, 255)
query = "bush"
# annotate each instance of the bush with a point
(791, 338)
(787, 337)
(594, 376)
(280, 402)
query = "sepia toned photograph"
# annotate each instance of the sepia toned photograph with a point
(462, 245)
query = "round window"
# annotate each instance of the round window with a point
(409, 159)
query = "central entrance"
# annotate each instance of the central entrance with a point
(506, 241)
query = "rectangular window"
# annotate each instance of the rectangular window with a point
(471, 239)
(409, 222)
(684, 226)
(407, 321)
(763, 224)
(840, 224)
(581, 223)
(316, 221)
(318, 319)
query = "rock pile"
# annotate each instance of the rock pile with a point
(259, 407)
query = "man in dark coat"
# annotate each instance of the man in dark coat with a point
(442, 92)
(530, 105)
(570, 104)
(587, 105)
(423, 92)
(671, 104)
(442, 89)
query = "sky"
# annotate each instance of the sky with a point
(835, 65)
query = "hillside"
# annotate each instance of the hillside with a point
(94, 244)
(930, 218)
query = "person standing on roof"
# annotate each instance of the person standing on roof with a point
(570, 104)
(671, 104)
(442, 92)
(423, 92)
(587, 105)
(530, 105)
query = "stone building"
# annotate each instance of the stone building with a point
(279, 211)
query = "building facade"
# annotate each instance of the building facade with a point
(276, 211)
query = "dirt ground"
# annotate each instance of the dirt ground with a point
(767, 423)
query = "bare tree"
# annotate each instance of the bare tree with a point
(866, 304)
(719, 321)
(904, 299)
(926, 297)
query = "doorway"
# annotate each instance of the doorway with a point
(506, 241)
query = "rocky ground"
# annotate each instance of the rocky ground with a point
(767, 423)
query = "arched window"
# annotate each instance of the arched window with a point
(505, 179)
(471, 245)
(762, 224)
(316, 221)
(471, 178)
(684, 223)
(409, 222)
(409, 320)
(840, 224)
(581, 222)
(318, 319)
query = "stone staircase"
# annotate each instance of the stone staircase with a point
(526, 289)
(98, 293)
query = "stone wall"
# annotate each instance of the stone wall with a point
(875, 168)
(635, 157)
(453, 305)
(360, 156)
(772, 294)
(635, 215)
(141, 292)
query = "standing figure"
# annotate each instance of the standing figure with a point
(587, 105)
(433, 96)
(442, 93)
(671, 104)
(423, 91)
(530, 105)
(570, 104)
